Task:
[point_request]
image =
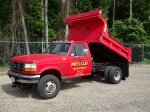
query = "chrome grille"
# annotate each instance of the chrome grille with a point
(17, 66)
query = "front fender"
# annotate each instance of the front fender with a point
(50, 68)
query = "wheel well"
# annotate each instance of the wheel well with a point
(52, 72)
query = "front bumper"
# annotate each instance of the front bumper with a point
(17, 77)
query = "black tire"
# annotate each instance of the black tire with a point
(115, 75)
(48, 86)
(106, 73)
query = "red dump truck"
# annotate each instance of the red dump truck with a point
(89, 51)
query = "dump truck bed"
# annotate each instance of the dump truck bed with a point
(92, 27)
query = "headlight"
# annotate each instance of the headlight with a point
(30, 67)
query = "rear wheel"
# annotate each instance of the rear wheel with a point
(106, 73)
(115, 75)
(48, 86)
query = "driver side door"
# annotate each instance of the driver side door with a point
(79, 65)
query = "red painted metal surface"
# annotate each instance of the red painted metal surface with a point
(92, 27)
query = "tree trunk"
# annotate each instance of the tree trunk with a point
(114, 11)
(42, 2)
(43, 40)
(13, 25)
(24, 26)
(46, 22)
(67, 14)
(130, 10)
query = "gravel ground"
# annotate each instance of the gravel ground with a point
(79, 95)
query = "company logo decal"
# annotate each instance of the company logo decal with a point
(77, 64)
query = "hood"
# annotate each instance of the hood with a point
(36, 57)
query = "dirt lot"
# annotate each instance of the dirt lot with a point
(79, 95)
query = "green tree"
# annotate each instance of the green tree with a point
(81, 6)
(33, 16)
(102, 4)
(5, 10)
(129, 31)
(142, 12)
(53, 17)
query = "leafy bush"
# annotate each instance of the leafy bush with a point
(129, 31)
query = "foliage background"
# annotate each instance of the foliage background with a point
(121, 28)
(125, 29)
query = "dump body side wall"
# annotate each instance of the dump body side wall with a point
(92, 27)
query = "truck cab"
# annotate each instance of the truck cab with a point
(75, 60)
(89, 51)
(70, 59)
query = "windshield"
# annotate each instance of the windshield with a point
(58, 48)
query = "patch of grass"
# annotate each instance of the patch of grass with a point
(3, 70)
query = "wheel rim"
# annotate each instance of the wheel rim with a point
(50, 87)
(117, 75)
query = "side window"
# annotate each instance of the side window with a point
(78, 49)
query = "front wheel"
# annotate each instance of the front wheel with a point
(48, 86)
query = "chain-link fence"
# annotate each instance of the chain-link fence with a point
(140, 52)
(8, 49)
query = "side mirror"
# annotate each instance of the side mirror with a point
(85, 52)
